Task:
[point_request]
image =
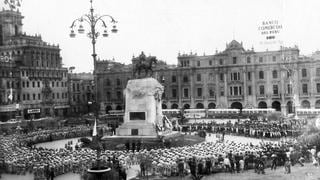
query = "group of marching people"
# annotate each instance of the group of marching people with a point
(47, 135)
(257, 129)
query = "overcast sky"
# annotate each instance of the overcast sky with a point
(164, 27)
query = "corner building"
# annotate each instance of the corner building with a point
(31, 73)
(81, 93)
(234, 78)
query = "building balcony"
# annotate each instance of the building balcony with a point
(235, 97)
(317, 94)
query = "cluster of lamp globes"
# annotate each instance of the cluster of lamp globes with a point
(81, 31)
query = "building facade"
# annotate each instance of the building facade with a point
(32, 79)
(81, 93)
(234, 78)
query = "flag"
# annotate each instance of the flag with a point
(94, 133)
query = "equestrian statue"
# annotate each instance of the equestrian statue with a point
(143, 64)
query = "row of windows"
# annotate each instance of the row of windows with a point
(186, 63)
(27, 84)
(174, 93)
(235, 76)
(35, 55)
(85, 98)
(27, 97)
(76, 87)
(7, 73)
(275, 89)
(108, 82)
(237, 90)
(45, 63)
(43, 74)
(118, 95)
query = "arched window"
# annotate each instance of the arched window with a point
(276, 105)
(174, 106)
(305, 104)
(164, 106)
(262, 104)
(199, 106)
(211, 106)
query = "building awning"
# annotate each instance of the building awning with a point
(62, 107)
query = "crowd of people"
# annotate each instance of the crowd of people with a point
(257, 129)
(48, 135)
(21, 156)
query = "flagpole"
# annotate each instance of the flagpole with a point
(95, 139)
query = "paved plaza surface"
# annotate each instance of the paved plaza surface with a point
(278, 174)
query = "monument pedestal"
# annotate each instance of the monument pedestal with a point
(143, 116)
(136, 129)
(143, 108)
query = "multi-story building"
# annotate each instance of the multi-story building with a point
(112, 98)
(32, 79)
(81, 93)
(233, 78)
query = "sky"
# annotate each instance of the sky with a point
(163, 28)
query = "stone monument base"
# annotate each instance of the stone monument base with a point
(137, 129)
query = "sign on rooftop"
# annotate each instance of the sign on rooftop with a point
(270, 30)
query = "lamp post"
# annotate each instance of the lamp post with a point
(92, 20)
(289, 67)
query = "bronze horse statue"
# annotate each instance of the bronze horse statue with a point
(144, 64)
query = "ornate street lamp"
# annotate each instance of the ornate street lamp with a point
(93, 20)
(13, 4)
